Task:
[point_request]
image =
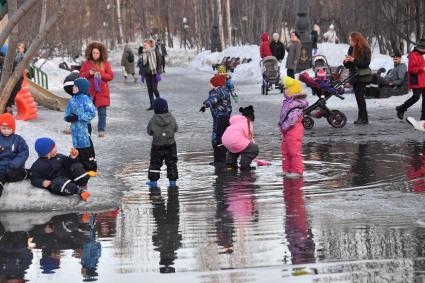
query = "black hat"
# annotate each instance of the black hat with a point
(396, 54)
(421, 43)
(248, 112)
(68, 83)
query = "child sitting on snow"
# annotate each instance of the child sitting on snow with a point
(291, 127)
(58, 173)
(162, 126)
(79, 112)
(13, 152)
(239, 139)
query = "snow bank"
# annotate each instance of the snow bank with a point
(55, 74)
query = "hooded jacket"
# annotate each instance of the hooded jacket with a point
(292, 111)
(162, 127)
(265, 46)
(237, 136)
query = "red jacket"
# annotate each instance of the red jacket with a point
(416, 68)
(100, 99)
(265, 46)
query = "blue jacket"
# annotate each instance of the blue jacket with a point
(82, 106)
(13, 152)
(219, 102)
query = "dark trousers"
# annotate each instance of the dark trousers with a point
(13, 175)
(70, 185)
(417, 92)
(220, 124)
(15, 91)
(359, 92)
(87, 157)
(152, 85)
(159, 153)
(163, 63)
(247, 155)
(290, 73)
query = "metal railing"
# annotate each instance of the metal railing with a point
(38, 76)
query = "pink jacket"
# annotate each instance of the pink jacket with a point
(236, 137)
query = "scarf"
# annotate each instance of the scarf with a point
(149, 57)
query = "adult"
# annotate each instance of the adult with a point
(162, 50)
(149, 69)
(396, 76)
(277, 47)
(294, 53)
(357, 61)
(314, 36)
(20, 53)
(265, 46)
(127, 63)
(416, 79)
(98, 71)
(215, 39)
(330, 36)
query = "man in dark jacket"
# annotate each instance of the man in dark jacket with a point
(162, 127)
(215, 40)
(277, 48)
(60, 174)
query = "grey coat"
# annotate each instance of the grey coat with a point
(397, 75)
(129, 66)
(162, 127)
(294, 53)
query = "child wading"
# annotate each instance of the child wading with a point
(79, 112)
(292, 129)
(221, 107)
(239, 139)
(58, 173)
(162, 126)
(13, 152)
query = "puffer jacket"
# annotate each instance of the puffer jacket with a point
(49, 169)
(82, 106)
(219, 102)
(238, 136)
(415, 69)
(125, 62)
(102, 98)
(292, 110)
(14, 152)
(265, 45)
(162, 127)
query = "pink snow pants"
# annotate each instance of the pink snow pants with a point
(291, 146)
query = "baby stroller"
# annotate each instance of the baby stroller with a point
(321, 63)
(271, 75)
(324, 90)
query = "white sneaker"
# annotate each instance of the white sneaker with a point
(293, 175)
(418, 125)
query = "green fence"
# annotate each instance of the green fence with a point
(38, 76)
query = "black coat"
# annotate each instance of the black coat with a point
(215, 40)
(278, 50)
(314, 36)
(358, 64)
(49, 169)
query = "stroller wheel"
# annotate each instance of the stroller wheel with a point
(308, 122)
(337, 119)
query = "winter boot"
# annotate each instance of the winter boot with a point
(400, 112)
(173, 184)
(250, 168)
(84, 195)
(418, 125)
(152, 184)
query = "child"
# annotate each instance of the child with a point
(239, 139)
(291, 127)
(13, 152)
(162, 126)
(79, 112)
(58, 173)
(221, 107)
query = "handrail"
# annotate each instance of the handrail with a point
(38, 76)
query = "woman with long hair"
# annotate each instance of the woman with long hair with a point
(98, 71)
(149, 68)
(357, 61)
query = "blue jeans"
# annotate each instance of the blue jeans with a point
(101, 125)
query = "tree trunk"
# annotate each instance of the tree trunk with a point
(13, 21)
(34, 47)
(220, 23)
(120, 32)
(113, 25)
(229, 22)
(43, 15)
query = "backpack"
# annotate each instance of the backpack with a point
(130, 57)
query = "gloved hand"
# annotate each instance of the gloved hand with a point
(71, 118)
(202, 109)
(158, 77)
(142, 79)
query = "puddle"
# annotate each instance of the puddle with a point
(357, 215)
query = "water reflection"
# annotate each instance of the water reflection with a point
(298, 234)
(167, 238)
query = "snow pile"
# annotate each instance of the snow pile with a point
(55, 74)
